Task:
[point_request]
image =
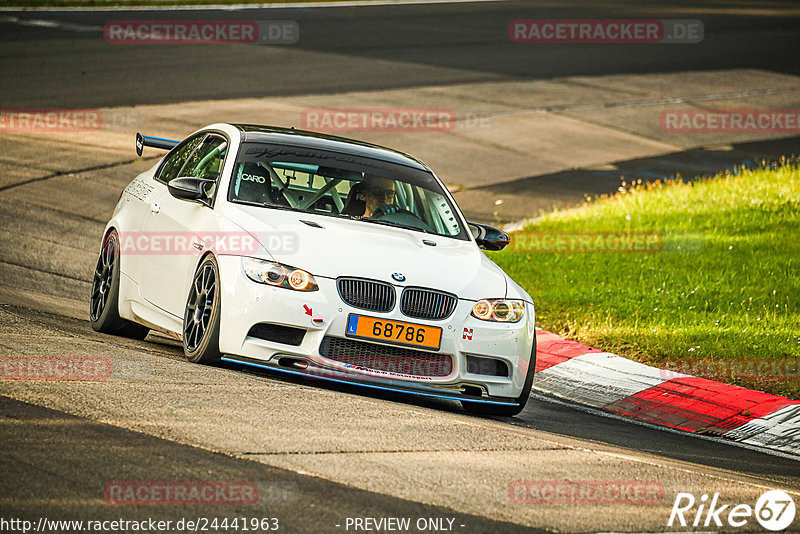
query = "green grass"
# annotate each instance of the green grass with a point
(725, 288)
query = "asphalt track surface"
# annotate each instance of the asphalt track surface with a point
(57, 452)
(98, 451)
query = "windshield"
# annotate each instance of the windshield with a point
(343, 185)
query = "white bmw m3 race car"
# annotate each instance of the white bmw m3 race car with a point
(315, 255)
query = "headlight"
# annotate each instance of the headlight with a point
(499, 310)
(278, 275)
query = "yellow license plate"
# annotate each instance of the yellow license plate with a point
(397, 332)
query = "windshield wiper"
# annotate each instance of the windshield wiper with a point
(265, 205)
(331, 214)
(396, 225)
(289, 208)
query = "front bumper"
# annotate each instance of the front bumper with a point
(322, 313)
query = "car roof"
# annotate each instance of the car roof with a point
(306, 139)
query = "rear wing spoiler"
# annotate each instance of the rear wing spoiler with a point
(154, 142)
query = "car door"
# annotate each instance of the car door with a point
(177, 228)
(135, 242)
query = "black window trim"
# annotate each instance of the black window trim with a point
(169, 154)
(203, 134)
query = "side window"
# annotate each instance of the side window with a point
(175, 161)
(206, 160)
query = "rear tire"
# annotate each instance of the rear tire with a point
(201, 317)
(479, 408)
(104, 300)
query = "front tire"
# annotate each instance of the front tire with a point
(104, 300)
(201, 317)
(478, 408)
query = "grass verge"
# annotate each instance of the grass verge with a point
(709, 284)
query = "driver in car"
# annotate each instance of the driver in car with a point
(379, 196)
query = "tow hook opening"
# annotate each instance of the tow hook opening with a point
(472, 391)
(293, 363)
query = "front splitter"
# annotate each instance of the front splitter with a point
(335, 376)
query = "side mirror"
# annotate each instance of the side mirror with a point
(489, 237)
(190, 188)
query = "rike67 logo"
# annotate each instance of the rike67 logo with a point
(774, 510)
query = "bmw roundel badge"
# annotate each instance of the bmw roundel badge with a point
(399, 277)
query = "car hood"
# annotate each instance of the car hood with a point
(343, 247)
